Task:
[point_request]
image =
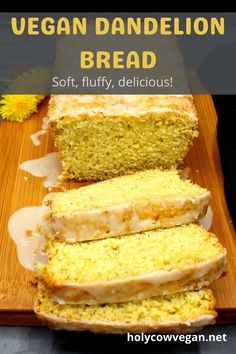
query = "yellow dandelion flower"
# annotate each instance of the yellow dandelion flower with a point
(18, 107)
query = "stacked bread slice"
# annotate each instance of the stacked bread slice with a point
(182, 312)
(126, 255)
(127, 204)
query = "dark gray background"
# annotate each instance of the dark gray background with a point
(25, 340)
(213, 57)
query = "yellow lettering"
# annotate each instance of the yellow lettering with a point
(33, 26)
(118, 26)
(86, 60)
(218, 25)
(103, 59)
(79, 26)
(165, 25)
(63, 26)
(200, 26)
(118, 60)
(150, 26)
(15, 29)
(134, 26)
(149, 60)
(101, 25)
(132, 60)
(47, 26)
(178, 31)
(188, 25)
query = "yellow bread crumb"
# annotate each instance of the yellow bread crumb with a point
(131, 188)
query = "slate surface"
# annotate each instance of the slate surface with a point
(26, 340)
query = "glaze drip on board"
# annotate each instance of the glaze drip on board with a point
(48, 166)
(26, 228)
(43, 131)
(207, 219)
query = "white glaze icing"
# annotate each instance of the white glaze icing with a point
(207, 219)
(30, 249)
(100, 289)
(90, 224)
(43, 131)
(48, 166)
(35, 137)
(117, 105)
(45, 124)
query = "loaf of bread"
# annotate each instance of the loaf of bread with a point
(182, 312)
(104, 136)
(135, 267)
(124, 205)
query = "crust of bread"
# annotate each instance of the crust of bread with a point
(189, 326)
(83, 107)
(127, 218)
(137, 288)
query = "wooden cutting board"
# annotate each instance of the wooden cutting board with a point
(16, 289)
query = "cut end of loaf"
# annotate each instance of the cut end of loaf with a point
(100, 137)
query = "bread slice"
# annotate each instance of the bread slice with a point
(142, 201)
(104, 136)
(183, 312)
(135, 267)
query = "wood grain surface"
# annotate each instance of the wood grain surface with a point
(16, 287)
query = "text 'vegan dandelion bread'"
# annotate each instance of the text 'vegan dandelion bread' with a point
(127, 204)
(103, 136)
(182, 312)
(132, 268)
